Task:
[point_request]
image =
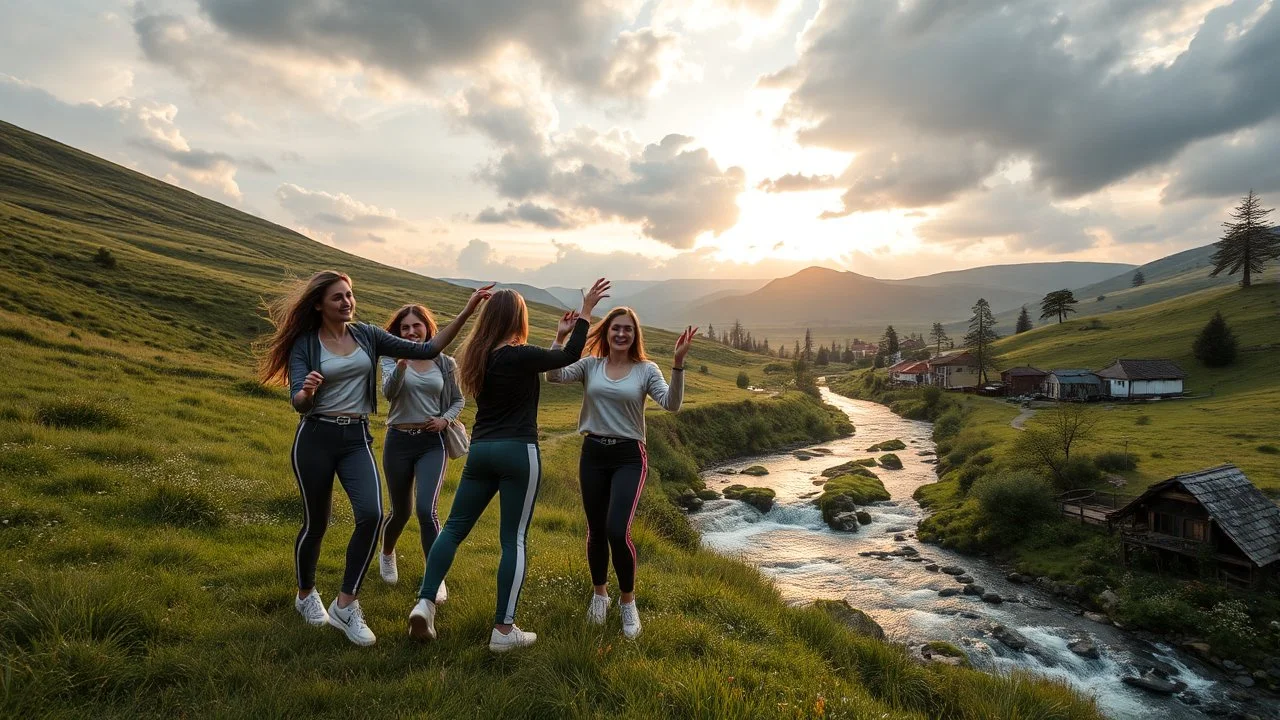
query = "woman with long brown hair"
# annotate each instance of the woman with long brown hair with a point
(423, 398)
(502, 373)
(330, 364)
(617, 377)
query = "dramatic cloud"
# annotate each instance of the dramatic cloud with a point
(1016, 215)
(525, 214)
(577, 43)
(1229, 167)
(1089, 92)
(797, 182)
(337, 218)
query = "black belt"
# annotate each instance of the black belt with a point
(603, 440)
(340, 419)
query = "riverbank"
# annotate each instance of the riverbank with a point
(1229, 629)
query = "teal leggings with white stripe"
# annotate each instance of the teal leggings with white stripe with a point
(513, 470)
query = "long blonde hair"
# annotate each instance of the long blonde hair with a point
(503, 317)
(293, 314)
(598, 338)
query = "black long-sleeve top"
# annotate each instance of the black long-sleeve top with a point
(507, 406)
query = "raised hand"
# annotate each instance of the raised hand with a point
(598, 292)
(683, 343)
(478, 296)
(566, 324)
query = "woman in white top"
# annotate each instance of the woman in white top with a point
(617, 377)
(424, 398)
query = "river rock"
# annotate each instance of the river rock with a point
(1244, 681)
(992, 597)
(727, 471)
(969, 615)
(761, 498)
(1108, 600)
(1154, 684)
(896, 530)
(926, 453)
(808, 495)
(931, 567)
(913, 559)
(690, 500)
(1016, 578)
(1010, 638)
(948, 592)
(820, 481)
(1199, 648)
(1232, 665)
(1151, 665)
(906, 550)
(899, 538)
(964, 579)
(1097, 617)
(864, 517)
(756, 471)
(952, 570)
(845, 522)
(1085, 649)
(975, 590)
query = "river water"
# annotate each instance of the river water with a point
(807, 561)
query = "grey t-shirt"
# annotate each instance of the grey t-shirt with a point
(615, 408)
(346, 383)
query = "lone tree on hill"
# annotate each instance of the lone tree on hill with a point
(1248, 242)
(980, 337)
(1216, 345)
(1059, 303)
(1024, 322)
(1047, 445)
(1138, 278)
(938, 336)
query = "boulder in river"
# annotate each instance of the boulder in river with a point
(931, 567)
(948, 592)
(952, 570)
(689, 500)
(1085, 648)
(1097, 617)
(975, 590)
(1010, 638)
(864, 517)
(845, 522)
(727, 471)
(707, 494)
(756, 471)
(761, 498)
(964, 579)
(853, 467)
(1153, 684)
(1016, 578)
(859, 621)
(890, 461)
(992, 597)
(888, 446)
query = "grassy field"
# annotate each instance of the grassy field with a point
(147, 509)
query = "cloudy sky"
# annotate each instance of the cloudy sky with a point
(557, 140)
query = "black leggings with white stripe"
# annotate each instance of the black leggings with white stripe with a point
(406, 456)
(321, 450)
(612, 473)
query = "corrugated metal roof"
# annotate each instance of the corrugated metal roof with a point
(1237, 506)
(1076, 377)
(1143, 370)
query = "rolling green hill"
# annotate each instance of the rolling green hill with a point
(147, 509)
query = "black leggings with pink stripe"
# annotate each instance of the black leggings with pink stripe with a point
(612, 473)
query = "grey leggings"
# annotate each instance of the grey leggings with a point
(406, 456)
(320, 450)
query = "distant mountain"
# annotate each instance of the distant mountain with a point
(667, 303)
(1166, 268)
(823, 297)
(530, 293)
(1027, 277)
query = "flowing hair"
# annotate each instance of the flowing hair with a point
(393, 325)
(293, 314)
(504, 316)
(598, 338)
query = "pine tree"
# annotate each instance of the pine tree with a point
(1058, 302)
(981, 335)
(938, 336)
(1216, 345)
(889, 341)
(808, 344)
(1248, 243)
(1024, 322)
(1139, 279)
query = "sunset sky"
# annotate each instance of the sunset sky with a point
(550, 141)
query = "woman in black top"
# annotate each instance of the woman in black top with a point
(502, 373)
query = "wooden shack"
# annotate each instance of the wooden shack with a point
(1023, 380)
(1213, 518)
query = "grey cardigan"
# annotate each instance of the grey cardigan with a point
(305, 357)
(451, 399)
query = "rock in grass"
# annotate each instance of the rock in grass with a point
(760, 498)
(944, 652)
(756, 471)
(890, 461)
(853, 467)
(888, 446)
(859, 621)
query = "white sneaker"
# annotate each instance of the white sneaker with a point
(311, 608)
(422, 621)
(350, 620)
(598, 609)
(515, 639)
(387, 568)
(630, 619)
(442, 594)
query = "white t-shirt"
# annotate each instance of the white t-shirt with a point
(615, 408)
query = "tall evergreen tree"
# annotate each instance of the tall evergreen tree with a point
(1024, 322)
(980, 337)
(1139, 279)
(1248, 242)
(889, 341)
(1216, 345)
(1058, 302)
(938, 336)
(808, 344)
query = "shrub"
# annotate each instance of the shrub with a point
(1015, 501)
(1080, 472)
(743, 380)
(1113, 461)
(79, 414)
(105, 258)
(1216, 345)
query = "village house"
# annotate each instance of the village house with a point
(1211, 520)
(861, 349)
(910, 372)
(1072, 385)
(954, 371)
(1142, 379)
(1023, 380)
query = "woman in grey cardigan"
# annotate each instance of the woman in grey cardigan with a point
(424, 397)
(330, 363)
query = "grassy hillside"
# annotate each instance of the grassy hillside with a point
(147, 512)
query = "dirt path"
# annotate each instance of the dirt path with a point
(1018, 422)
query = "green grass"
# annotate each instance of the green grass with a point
(148, 512)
